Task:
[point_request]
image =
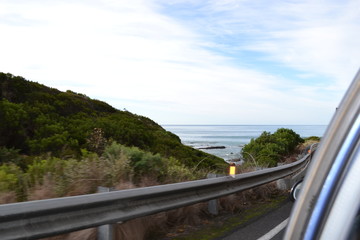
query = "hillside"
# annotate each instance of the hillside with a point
(36, 119)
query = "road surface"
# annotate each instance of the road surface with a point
(269, 226)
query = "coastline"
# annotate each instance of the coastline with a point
(231, 138)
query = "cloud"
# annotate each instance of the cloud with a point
(310, 36)
(186, 61)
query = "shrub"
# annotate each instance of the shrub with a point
(10, 155)
(117, 164)
(143, 163)
(8, 179)
(287, 139)
(96, 141)
(177, 172)
(37, 120)
(48, 176)
(12, 180)
(313, 138)
(40, 167)
(268, 148)
(82, 177)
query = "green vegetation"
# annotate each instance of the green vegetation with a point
(36, 119)
(65, 139)
(268, 149)
(312, 138)
(117, 164)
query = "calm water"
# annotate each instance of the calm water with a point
(233, 137)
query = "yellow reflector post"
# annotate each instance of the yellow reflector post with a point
(232, 170)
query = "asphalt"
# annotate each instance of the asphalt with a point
(260, 226)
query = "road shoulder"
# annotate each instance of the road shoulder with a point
(224, 225)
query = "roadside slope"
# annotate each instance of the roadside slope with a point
(37, 119)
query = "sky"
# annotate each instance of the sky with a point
(190, 61)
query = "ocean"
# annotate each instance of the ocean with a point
(232, 137)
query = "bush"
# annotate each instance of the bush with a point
(48, 176)
(313, 138)
(268, 148)
(287, 139)
(37, 120)
(10, 155)
(117, 163)
(12, 180)
(8, 178)
(40, 167)
(177, 172)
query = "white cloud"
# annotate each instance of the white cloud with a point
(310, 36)
(135, 56)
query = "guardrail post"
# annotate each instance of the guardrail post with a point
(105, 232)
(284, 184)
(213, 204)
(288, 182)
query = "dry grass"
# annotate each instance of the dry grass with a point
(148, 181)
(124, 185)
(189, 215)
(87, 234)
(158, 225)
(7, 197)
(44, 191)
(153, 226)
(142, 228)
(236, 202)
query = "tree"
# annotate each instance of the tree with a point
(13, 120)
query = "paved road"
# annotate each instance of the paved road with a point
(264, 228)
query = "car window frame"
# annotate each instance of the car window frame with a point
(323, 178)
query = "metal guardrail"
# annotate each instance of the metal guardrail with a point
(45, 218)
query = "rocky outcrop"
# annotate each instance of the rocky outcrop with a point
(213, 147)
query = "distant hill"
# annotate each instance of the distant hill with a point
(37, 119)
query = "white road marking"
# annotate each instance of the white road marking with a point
(274, 231)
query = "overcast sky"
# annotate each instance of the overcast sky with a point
(190, 61)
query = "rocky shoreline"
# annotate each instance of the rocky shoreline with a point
(213, 147)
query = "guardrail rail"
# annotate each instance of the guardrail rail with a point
(45, 218)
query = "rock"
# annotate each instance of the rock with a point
(213, 147)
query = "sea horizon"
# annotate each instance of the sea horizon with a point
(232, 136)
